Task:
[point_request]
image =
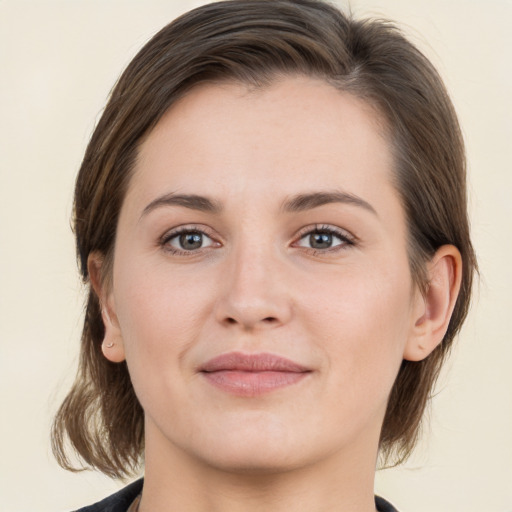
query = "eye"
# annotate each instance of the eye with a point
(324, 238)
(186, 240)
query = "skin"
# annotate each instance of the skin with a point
(350, 313)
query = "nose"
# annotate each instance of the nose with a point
(254, 294)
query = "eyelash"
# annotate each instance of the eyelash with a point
(170, 235)
(347, 239)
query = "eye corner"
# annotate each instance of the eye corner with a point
(326, 243)
(173, 240)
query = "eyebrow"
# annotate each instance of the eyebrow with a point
(192, 201)
(298, 203)
(308, 201)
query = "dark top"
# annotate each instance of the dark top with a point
(121, 500)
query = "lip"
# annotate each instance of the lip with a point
(251, 375)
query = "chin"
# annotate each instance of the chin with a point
(259, 447)
(260, 460)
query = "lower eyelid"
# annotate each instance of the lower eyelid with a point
(206, 241)
(167, 240)
(342, 244)
(345, 239)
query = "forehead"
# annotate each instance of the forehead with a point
(311, 100)
(296, 133)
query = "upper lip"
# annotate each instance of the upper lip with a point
(237, 361)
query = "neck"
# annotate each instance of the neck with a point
(175, 481)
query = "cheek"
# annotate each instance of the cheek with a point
(362, 323)
(159, 321)
(160, 315)
(150, 293)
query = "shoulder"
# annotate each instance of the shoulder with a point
(118, 502)
(384, 506)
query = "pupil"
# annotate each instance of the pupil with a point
(191, 241)
(320, 240)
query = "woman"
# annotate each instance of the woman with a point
(271, 214)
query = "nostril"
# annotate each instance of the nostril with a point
(267, 320)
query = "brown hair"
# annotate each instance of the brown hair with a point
(254, 41)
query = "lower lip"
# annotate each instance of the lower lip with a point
(242, 383)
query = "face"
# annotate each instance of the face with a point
(261, 290)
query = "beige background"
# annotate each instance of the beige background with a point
(58, 61)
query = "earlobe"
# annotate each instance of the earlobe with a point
(112, 346)
(434, 309)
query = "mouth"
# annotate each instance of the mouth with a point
(251, 375)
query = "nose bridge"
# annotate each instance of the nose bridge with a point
(254, 293)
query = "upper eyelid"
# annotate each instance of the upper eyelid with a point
(164, 242)
(185, 228)
(343, 233)
(336, 230)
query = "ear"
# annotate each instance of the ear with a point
(112, 346)
(432, 311)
